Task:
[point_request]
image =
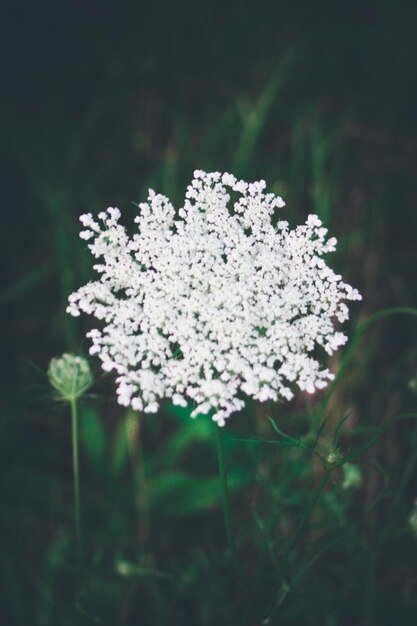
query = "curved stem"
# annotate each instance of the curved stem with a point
(76, 479)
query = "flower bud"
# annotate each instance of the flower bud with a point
(412, 385)
(352, 476)
(332, 459)
(70, 375)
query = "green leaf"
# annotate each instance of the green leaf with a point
(47, 592)
(189, 432)
(120, 452)
(178, 494)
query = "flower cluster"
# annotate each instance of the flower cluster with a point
(217, 301)
(70, 375)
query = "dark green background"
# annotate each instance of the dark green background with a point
(98, 96)
(99, 101)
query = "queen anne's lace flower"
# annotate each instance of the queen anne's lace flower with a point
(215, 303)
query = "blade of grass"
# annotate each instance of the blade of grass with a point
(379, 434)
(256, 120)
(28, 282)
(53, 194)
(354, 343)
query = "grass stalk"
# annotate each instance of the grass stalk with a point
(76, 479)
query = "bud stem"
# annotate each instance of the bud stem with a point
(76, 479)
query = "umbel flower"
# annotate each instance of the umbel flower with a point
(70, 375)
(217, 302)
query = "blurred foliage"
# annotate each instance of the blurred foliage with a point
(101, 100)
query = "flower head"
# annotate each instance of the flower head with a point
(332, 459)
(70, 375)
(218, 301)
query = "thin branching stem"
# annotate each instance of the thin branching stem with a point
(307, 512)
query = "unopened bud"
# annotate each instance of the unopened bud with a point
(332, 459)
(412, 518)
(70, 375)
(352, 476)
(412, 384)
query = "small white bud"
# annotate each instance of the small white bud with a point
(70, 375)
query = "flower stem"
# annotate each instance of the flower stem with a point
(218, 436)
(76, 479)
(134, 438)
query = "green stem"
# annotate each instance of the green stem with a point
(387, 529)
(307, 513)
(76, 479)
(134, 438)
(224, 489)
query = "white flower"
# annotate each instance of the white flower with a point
(213, 303)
